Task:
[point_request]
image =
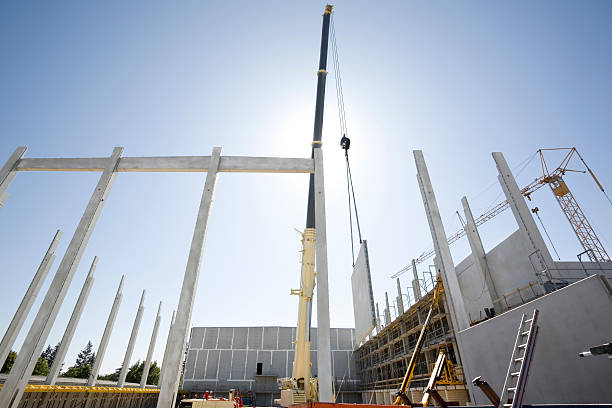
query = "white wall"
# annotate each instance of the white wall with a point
(571, 320)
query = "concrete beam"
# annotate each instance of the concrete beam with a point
(478, 252)
(8, 173)
(324, 355)
(15, 384)
(147, 366)
(457, 309)
(400, 299)
(130, 348)
(110, 323)
(180, 329)
(172, 164)
(416, 284)
(28, 299)
(522, 214)
(60, 355)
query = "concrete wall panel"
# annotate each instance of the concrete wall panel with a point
(571, 320)
(341, 364)
(279, 363)
(238, 365)
(240, 337)
(200, 366)
(270, 336)
(345, 339)
(210, 337)
(212, 365)
(225, 364)
(265, 357)
(190, 362)
(251, 368)
(285, 338)
(225, 338)
(197, 337)
(255, 338)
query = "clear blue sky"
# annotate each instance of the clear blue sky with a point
(456, 79)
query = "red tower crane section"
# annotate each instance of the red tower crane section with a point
(574, 214)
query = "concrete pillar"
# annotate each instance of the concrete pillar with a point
(60, 355)
(164, 361)
(378, 322)
(180, 329)
(400, 299)
(449, 276)
(416, 284)
(130, 348)
(15, 384)
(28, 299)
(387, 310)
(542, 259)
(324, 365)
(93, 376)
(8, 173)
(145, 371)
(478, 252)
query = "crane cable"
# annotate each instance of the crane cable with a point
(345, 142)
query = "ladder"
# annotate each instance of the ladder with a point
(518, 369)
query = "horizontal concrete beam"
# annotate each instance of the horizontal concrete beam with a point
(171, 164)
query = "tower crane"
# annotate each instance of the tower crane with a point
(582, 228)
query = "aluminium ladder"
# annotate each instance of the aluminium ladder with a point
(516, 378)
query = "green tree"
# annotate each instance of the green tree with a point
(50, 353)
(83, 364)
(8, 363)
(134, 373)
(41, 367)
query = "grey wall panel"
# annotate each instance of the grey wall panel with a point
(265, 357)
(341, 364)
(197, 337)
(353, 368)
(225, 338)
(238, 365)
(270, 338)
(345, 341)
(313, 360)
(333, 335)
(200, 366)
(279, 363)
(210, 337)
(211, 365)
(313, 338)
(251, 368)
(290, 359)
(284, 338)
(255, 338)
(190, 363)
(240, 338)
(225, 364)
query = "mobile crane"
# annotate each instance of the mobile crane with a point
(301, 387)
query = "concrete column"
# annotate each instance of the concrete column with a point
(378, 322)
(8, 173)
(522, 214)
(147, 366)
(416, 284)
(164, 361)
(179, 331)
(13, 388)
(130, 348)
(323, 333)
(400, 299)
(387, 310)
(478, 252)
(447, 269)
(28, 299)
(93, 376)
(72, 324)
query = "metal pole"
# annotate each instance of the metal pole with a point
(71, 328)
(180, 329)
(28, 299)
(93, 376)
(15, 384)
(130, 349)
(147, 366)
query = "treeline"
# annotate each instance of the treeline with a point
(83, 365)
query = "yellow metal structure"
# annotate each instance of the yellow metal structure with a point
(301, 387)
(402, 399)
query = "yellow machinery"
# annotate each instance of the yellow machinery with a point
(402, 398)
(301, 387)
